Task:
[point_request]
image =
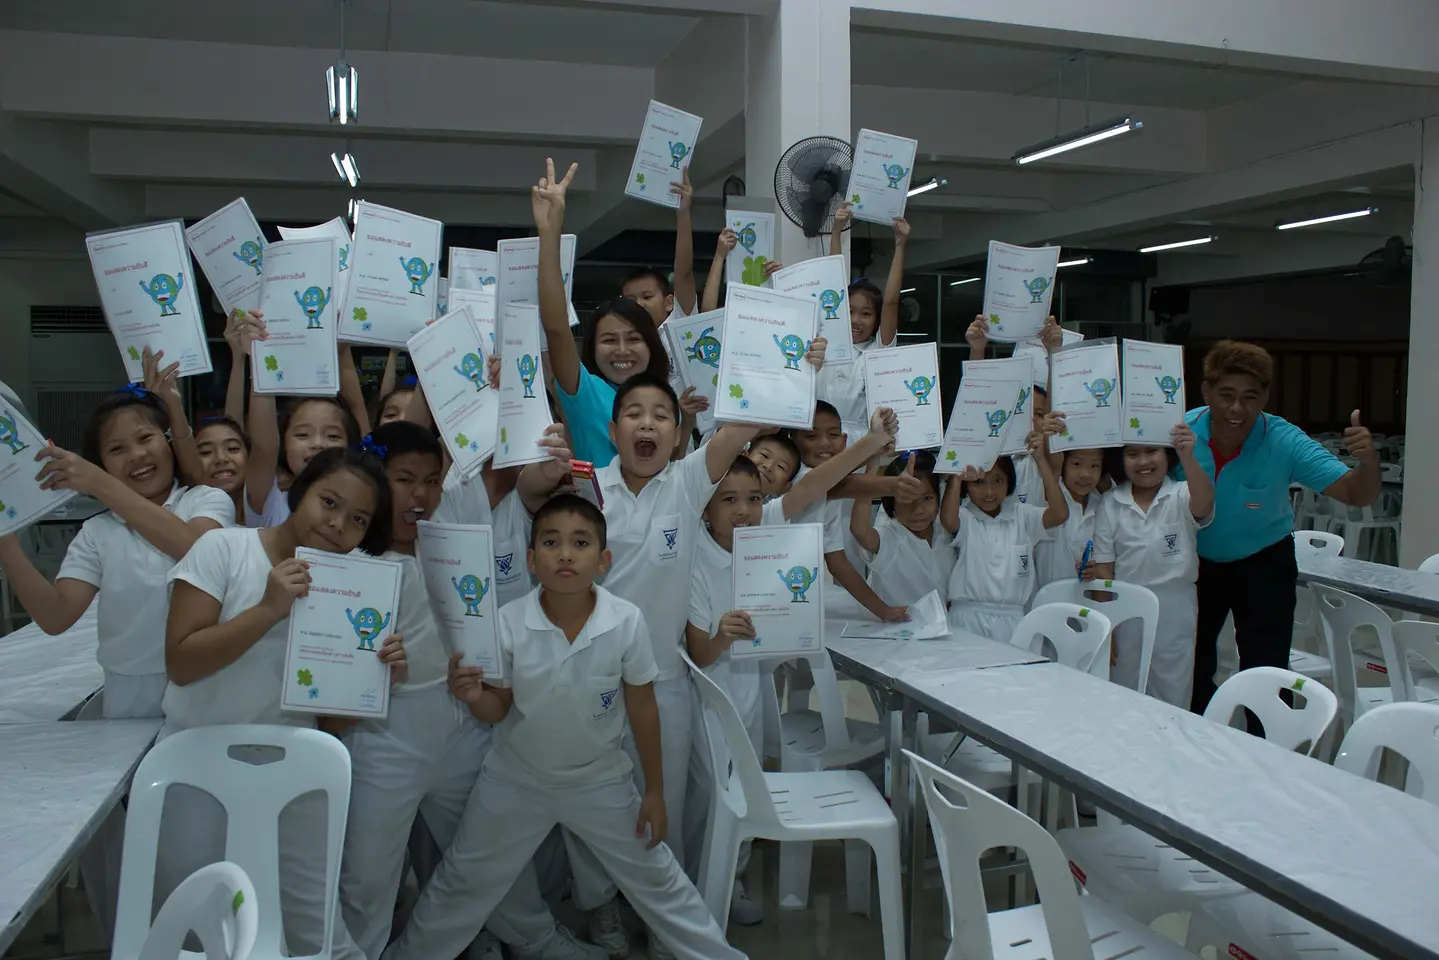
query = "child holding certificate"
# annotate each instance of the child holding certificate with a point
(1069, 551)
(122, 555)
(908, 553)
(577, 663)
(995, 535)
(1146, 534)
(224, 450)
(425, 756)
(225, 647)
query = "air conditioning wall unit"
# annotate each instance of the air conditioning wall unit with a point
(74, 364)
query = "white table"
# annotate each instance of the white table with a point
(1376, 582)
(1355, 857)
(58, 782)
(47, 678)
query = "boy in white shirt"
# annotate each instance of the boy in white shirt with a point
(1061, 557)
(908, 551)
(577, 661)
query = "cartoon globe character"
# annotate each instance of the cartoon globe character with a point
(997, 419)
(798, 580)
(417, 273)
(251, 253)
(830, 301)
(678, 151)
(706, 349)
(163, 289)
(10, 433)
(792, 347)
(895, 173)
(1169, 387)
(527, 366)
(367, 624)
(1036, 288)
(747, 238)
(472, 368)
(472, 591)
(313, 301)
(1100, 390)
(920, 387)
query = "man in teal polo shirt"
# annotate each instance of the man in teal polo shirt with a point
(1246, 555)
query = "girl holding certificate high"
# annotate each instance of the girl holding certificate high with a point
(1145, 534)
(124, 554)
(1068, 553)
(995, 535)
(225, 647)
(907, 551)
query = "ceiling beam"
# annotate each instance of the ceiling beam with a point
(300, 205)
(44, 164)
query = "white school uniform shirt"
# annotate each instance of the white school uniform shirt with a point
(842, 384)
(131, 575)
(653, 536)
(905, 568)
(275, 512)
(1028, 484)
(1058, 557)
(711, 597)
(468, 502)
(568, 718)
(995, 554)
(1152, 549)
(232, 566)
(415, 621)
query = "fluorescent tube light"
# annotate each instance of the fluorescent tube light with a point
(1072, 263)
(347, 168)
(342, 84)
(1352, 215)
(1077, 139)
(960, 283)
(1175, 246)
(926, 187)
(909, 289)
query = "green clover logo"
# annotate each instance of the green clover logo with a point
(736, 391)
(504, 435)
(239, 901)
(305, 677)
(689, 334)
(271, 363)
(994, 320)
(462, 440)
(1134, 423)
(639, 178)
(951, 456)
(134, 354)
(360, 313)
(854, 198)
(754, 271)
(714, 380)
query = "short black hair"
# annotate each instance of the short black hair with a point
(385, 398)
(786, 442)
(399, 437)
(1039, 389)
(646, 273)
(638, 382)
(367, 466)
(1006, 465)
(126, 398)
(352, 426)
(221, 420)
(743, 464)
(923, 467)
(1114, 461)
(870, 289)
(575, 506)
(637, 317)
(824, 406)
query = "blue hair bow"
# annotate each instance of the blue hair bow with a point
(370, 446)
(409, 383)
(136, 390)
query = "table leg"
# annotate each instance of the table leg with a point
(912, 814)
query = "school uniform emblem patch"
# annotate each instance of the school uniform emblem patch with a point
(607, 700)
(503, 563)
(671, 535)
(1170, 539)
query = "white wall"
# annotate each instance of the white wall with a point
(25, 283)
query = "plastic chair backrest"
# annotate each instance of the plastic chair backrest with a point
(1341, 614)
(826, 692)
(738, 777)
(1079, 635)
(1431, 565)
(1421, 639)
(253, 797)
(967, 822)
(1408, 729)
(1130, 602)
(218, 903)
(1319, 541)
(1258, 689)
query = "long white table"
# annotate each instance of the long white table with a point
(58, 782)
(1355, 857)
(48, 678)
(1376, 582)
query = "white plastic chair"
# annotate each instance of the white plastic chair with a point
(787, 807)
(1250, 923)
(967, 822)
(1147, 878)
(1306, 617)
(217, 902)
(1430, 565)
(253, 797)
(1341, 614)
(1417, 640)
(1369, 534)
(1128, 601)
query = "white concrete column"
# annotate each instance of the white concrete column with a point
(1421, 450)
(797, 86)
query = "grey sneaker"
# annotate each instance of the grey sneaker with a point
(564, 945)
(485, 947)
(607, 930)
(657, 948)
(743, 910)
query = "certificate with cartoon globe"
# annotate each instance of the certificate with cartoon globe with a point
(230, 249)
(147, 290)
(1018, 369)
(906, 379)
(1038, 355)
(22, 502)
(779, 582)
(879, 182)
(458, 563)
(394, 277)
(481, 304)
(695, 345)
(1018, 283)
(332, 659)
(763, 375)
(666, 147)
(449, 356)
(1153, 386)
(754, 246)
(826, 279)
(1086, 390)
(524, 402)
(519, 272)
(980, 422)
(299, 357)
(473, 269)
(338, 231)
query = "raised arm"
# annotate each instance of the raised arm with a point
(351, 393)
(163, 383)
(953, 494)
(537, 482)
(1201, 488)
(836, 235)
(1362, 485)
(547, 200)
(236, 335)
(684, 245)
(264, 461)
(392, 372)
(861, 516)
(889, 308)
(1056, 508)
(977, 336)
(727, 443)
(53, 606)
(197, 645)
(715, 281)
(813, 486)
